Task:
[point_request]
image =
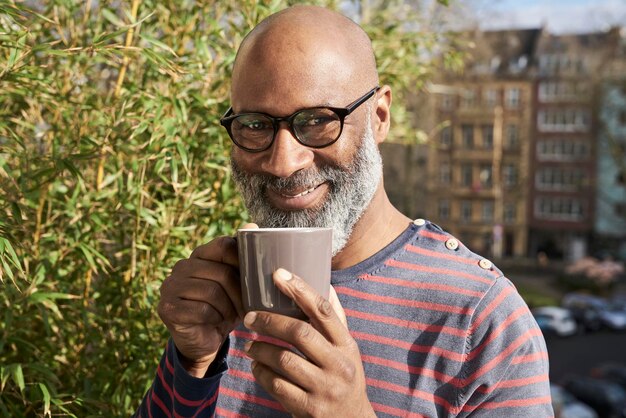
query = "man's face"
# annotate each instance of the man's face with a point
(332, 190)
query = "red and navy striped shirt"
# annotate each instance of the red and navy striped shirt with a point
(442, 333)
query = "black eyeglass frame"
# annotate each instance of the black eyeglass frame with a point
(228, 118)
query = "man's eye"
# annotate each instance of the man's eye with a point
(316, 121)
(255, 125)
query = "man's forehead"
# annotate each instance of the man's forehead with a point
(307, 77)
(283, 102)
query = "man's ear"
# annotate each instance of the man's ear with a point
(382, 121)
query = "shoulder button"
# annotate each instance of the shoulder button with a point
(419, 222)
(452, 244)
(485, 264)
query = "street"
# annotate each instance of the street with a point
(578, 354)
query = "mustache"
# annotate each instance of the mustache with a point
(305, 178)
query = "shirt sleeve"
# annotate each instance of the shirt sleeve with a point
(174, 392)
(506, 368)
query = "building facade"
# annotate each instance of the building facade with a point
(526, 149)
(478, 161)
(563, 148)
(610, 221)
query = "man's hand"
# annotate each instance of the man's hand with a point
(329, 380)
(201, 302)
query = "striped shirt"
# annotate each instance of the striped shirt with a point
(442, 333)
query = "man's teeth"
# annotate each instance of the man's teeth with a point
(304, 193)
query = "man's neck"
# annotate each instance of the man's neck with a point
(380, 224)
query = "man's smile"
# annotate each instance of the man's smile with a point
(298, 199)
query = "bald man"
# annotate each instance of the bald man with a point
(416, 324)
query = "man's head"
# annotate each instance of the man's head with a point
(306, 57)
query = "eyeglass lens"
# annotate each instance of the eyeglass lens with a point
(313, 127)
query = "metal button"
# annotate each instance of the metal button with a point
(419, 222)
(484, 263)
(452, 244)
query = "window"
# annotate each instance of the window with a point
(561, 63)
(559, 208)
(466, 210)
(509, 175)
(444, 209)
(487, 131)
(486, 177)
(548, 64)
(564, 120)
(562, 150)
(510, 212)
(490, 97)
(512, 98)
(511, 137)
(468, 98)
(555, 91)
(547, 91)
(466, 175)
(556, 178)
(467, 136)
(444, 173)
(446, 136)
(487, 212)
(447, 102)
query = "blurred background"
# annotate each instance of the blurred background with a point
(509, 131)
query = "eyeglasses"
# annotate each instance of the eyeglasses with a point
(315, 127)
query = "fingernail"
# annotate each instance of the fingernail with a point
(246, 346)
(249, 318)
(283, 274)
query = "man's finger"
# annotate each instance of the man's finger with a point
(287, 363)
(324, 317)
(222, 250)
(250, 226)
(220, 274)
(300, 334)
(334, 302)
(291, 396)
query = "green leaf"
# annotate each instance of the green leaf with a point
(38, 297)
(69, 166)
(46, 399)
(112, 17)
(158, 44)
(6, 269)
(182, 152)
(18, 376)
(13, 52)
(86, 250)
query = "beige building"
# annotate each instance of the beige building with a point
(477, 165)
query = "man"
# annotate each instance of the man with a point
(418, 326)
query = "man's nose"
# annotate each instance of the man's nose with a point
(286, 155)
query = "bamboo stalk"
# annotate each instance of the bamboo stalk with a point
(88, 277)
(126, 60)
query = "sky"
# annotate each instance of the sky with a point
(560, 16)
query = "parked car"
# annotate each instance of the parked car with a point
(567, 406)
(555, 320)
(613, 319)
(606, 398)
(583, 300)
(593, 312)
(612, 372)
(618, 301)
(585, 310)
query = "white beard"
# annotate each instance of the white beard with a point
(351, 191)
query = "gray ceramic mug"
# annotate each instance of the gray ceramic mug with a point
(306, 252)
